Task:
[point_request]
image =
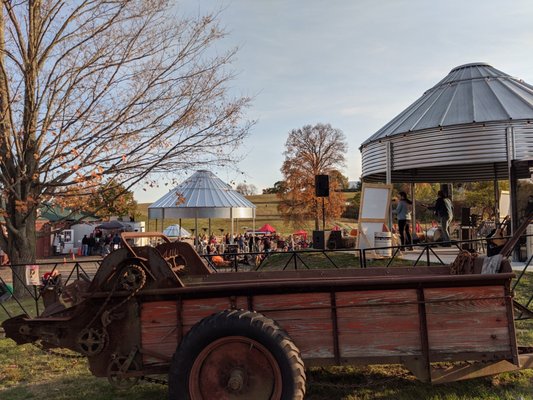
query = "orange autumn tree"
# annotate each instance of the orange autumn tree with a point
(108, 199)
(310, 151)
(96, 91)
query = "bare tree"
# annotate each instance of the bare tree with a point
(246, 189)
(310, 151)
(95, 91)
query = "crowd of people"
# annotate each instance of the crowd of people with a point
(98, 243)
(249, 243)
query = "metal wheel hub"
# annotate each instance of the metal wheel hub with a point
(235, 367)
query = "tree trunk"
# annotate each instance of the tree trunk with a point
(21, 252)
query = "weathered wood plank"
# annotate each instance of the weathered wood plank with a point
(159, 312)
(470, 306)
(372, 345)
(313, 337)
(194, 310)
(463, 293)
(467, 339)
(469, 320)
(293, 301)
(378, 321)
(375, 297)
(159, 331)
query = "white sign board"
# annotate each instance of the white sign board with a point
(375, 204)
(505, 204)
(373, 213)
(32, 275)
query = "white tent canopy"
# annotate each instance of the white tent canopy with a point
(176, 231)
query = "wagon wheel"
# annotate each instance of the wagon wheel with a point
(239, 355)
(117, 373)
(91, 341)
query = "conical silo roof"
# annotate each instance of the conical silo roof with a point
(469, 126)
(470, 93)
(202, 195)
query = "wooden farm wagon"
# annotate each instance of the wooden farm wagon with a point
(249, 335)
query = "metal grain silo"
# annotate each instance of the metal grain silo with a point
(475, 124)
(469, 126)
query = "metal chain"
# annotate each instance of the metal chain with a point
(112, 292)
(134, 292)
(155, 380)
(57, 353)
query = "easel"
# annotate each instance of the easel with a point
(373, 214)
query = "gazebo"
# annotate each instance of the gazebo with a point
(202, 195)
(475, 124)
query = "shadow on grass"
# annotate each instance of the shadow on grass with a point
(394, 382)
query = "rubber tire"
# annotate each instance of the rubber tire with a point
(248, 324)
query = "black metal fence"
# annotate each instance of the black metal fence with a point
(422, 254)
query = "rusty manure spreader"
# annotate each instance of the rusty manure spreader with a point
(249, 335)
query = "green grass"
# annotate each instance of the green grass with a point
(11, 308)
(328, 259)
(27, 373)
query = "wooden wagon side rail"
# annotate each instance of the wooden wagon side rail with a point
(359, 321)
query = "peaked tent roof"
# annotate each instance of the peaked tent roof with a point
(267, 228)
(470, 93)
(176, 231)
(54, 213)
(202, 195)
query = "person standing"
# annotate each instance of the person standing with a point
(443, 209)
(91, 244)
(85, 246)
(403, 213)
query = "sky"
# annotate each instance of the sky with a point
(354, 64)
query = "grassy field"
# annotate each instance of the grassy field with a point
(266, 212)
(28, 373)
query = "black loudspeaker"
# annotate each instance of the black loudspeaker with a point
(335, 240)
(465, 216)
(319, 240)
(322, 185)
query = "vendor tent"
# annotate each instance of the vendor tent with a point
(111, 225)
(267, 228)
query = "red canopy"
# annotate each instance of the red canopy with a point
(301, 232)
(267, 228)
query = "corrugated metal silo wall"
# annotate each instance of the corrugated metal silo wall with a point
(460, 153)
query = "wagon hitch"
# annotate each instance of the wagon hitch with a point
(16, 328)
